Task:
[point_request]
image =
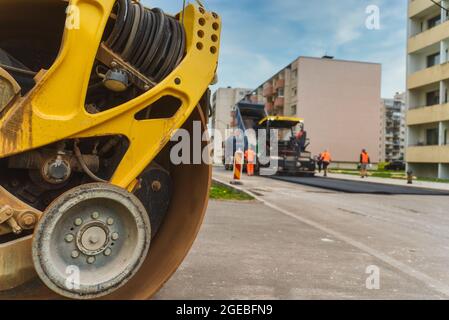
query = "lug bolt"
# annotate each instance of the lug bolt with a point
(95, 215)
(107, 252)
(115, 236)
(69, 238)
(75, 254)
(78, 222)
(110, 221)
(90, 260)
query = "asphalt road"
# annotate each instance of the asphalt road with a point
(248, 251)
(301, 242)
(363, 186)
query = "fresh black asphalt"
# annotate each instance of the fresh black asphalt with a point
(361, 187)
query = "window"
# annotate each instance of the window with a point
(433, 22)
(432, 98)
(432, 137)
(294, 74)
(445, 136)
(280, 92)
(433, 59)
(293, 109)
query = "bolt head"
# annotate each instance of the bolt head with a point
(78, 222)
(69, 238)
(114, 236)
(75, 254)
(110, 221)
(90, 260)
(156, 186)
(107, 252)
(29, 220)
(95, 215)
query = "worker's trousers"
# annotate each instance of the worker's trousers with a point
(250, 169)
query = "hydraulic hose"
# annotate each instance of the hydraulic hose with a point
(151, 41)
(84, 166)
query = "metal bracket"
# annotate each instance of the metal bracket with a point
(113, 60)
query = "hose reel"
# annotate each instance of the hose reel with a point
(144, 46)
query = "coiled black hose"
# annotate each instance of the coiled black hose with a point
(149, 40)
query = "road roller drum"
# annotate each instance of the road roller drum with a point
(91, 94)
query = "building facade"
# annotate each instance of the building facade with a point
(393, 130)
(339, 101)
(427, 154)
(223, 102)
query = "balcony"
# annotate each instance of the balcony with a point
(268, 90)
(430, 114)
(428, 37)
(280, 83)
(427, 154)
(279, 102)
(417, 6)
(428, 76)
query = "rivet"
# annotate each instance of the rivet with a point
(69, 238)
(110, 221)
(78, 222)
(107, 252)
(95, 215)
(75, 254)
(115, 236)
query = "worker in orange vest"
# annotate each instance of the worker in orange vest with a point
(250, 157)
(365, 161)
(326, 156)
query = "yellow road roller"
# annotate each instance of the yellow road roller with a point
(91, 94)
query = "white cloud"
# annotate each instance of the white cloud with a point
(262, 36)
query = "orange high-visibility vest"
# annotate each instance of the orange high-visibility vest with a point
(365, 158)
(326, 156)
(250, 155)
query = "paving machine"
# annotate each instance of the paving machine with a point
(292, 157)
(91, 92)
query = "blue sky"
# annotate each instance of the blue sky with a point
(260, 37)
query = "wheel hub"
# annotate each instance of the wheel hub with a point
(93, 238)
(86, 229)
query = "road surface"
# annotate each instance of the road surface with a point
(363, 186)
(301, 242)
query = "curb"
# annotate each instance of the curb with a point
(392, 184)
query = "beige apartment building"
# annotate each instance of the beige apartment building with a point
(339, 101)
(223, 102)
(427, 154)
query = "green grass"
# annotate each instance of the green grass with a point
(434, 180)
(373, 173)
(221, 192)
